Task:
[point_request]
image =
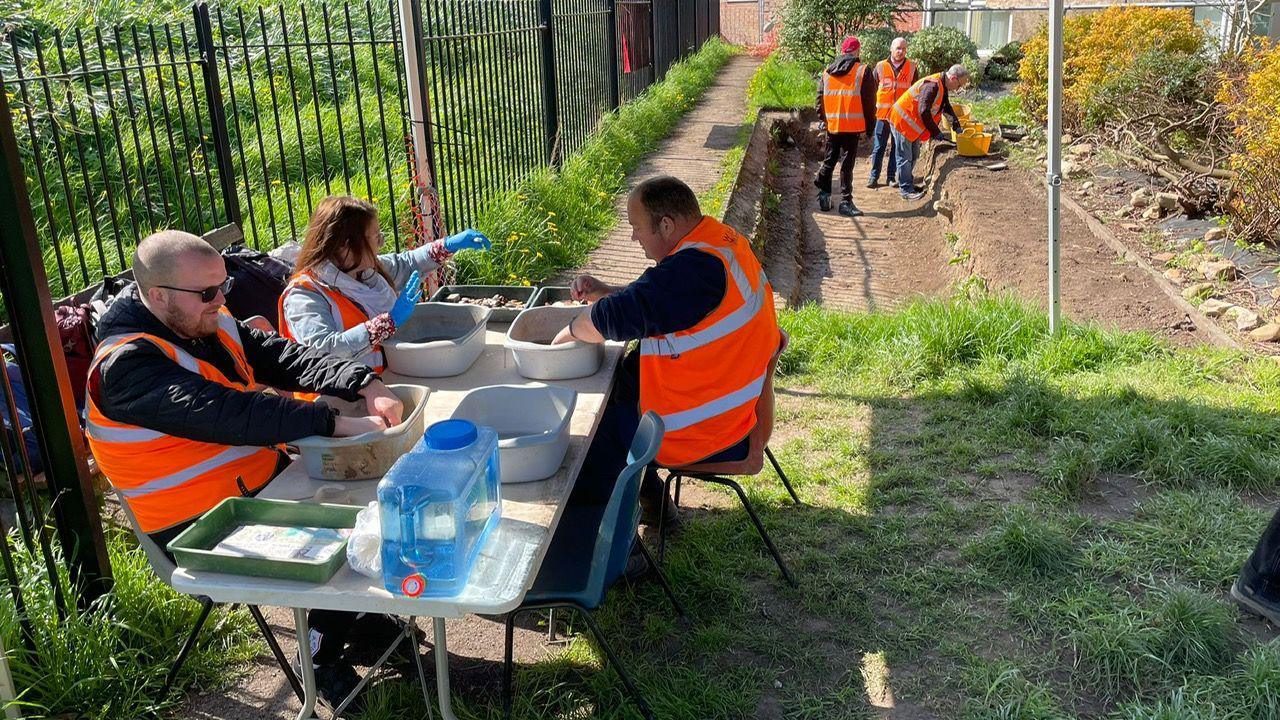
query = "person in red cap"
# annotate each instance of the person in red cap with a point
(846, 104)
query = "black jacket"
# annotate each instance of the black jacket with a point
(929, 93)
(841, 66)
(140, 385)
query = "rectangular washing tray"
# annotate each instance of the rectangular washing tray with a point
(532, 422)
(367, 456)
(529, 340)
(438, 340)
(549, 295)
(523, 293)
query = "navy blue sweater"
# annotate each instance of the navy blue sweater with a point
(676, 294)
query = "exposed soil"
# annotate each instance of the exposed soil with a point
(899, 249)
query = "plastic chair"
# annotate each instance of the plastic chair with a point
(589, 554)
(164, 568)
(718, 473)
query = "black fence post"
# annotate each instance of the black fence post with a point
(217, 113)
(550, 93)
(614, 99)
(53, 413)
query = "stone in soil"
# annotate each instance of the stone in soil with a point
(1086, 186)
(1214, 307)
(1167, 201)
(1267, 333)
(1245, 318)
(1151, 213)
(1164, 258)
(1140, 198)
(1215, 234)
(1195, 291)
(1175, 275)
(1218, 269)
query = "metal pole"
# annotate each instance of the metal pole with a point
(419, 110)
(550, 91)
(1053, 173)
(612, 61)
(217, 113)
(760, 19)
(26, 291)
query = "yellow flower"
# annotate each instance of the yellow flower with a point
(551, 213)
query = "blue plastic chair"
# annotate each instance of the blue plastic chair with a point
(589, 554)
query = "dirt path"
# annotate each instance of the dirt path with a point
(868, 263)
(694, 153)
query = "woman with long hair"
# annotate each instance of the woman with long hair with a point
(346, 299)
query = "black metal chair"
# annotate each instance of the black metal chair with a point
(721, 473)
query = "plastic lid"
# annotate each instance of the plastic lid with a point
(451, 434)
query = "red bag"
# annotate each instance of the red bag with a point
(75, 330)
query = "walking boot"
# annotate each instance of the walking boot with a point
(824, 201)
(848, 209)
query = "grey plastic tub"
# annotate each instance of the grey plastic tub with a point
(532, 422)
(552, 294)
(367, 456)
(529, 340)
(523, 293)
(438, 340)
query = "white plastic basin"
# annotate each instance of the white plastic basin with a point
(367, 456)
(532, 422)
(529, 340)
(438, 340)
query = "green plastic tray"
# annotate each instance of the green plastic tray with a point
(523, 293)
(192, 549)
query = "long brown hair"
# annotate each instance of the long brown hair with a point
(340, 222)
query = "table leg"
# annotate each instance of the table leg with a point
(441, 651)
(308, 710)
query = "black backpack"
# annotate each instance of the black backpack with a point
(259, 281)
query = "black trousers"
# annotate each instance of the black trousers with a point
(838, 145)
(1262, 570)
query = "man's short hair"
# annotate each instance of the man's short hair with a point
(157, 258)
(958, 71)
(667, 196)
(897, 40)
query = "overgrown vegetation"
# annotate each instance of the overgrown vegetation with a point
(1149, 83)
(812, 30)
(939, 47)
(553, 219)
(111, 660)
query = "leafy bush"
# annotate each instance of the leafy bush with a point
(1249, 95)
(875, 43)
(1003, 65)
(1096, 48)
(938, 48)
(812, 29)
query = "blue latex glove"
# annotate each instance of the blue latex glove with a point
(468, 239)
(408, 298)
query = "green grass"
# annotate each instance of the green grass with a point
(1005, 109)
(781, 84)
(111, 660)
(553, 219)
(941, 554)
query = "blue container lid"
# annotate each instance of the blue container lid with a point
(451, 434)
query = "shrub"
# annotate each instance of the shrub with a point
(812, 29)
(1097, 47)
(875, 43)
(1003, 65)
(938, 48)
(1250, 95)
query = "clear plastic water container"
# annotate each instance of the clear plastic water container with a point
(438, 504)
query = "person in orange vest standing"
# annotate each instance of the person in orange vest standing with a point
(846, 94)
(346, 299)
(893, 75)
(915, 117)
(178, 416)
(705, 322)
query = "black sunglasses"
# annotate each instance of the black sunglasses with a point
(208, 294)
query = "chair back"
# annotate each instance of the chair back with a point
(760, 434)
(621, 515)
(163, 567)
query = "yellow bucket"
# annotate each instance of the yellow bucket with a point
(971, 143)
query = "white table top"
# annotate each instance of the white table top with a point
(510, 557)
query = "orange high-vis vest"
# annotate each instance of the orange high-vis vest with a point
(347, 312)
(167, 479)
(906, 113)
(842, 101)
(892, 85)
(705, 381)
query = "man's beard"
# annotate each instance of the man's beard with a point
(188, 327)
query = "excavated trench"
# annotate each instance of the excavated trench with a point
(976, 228)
